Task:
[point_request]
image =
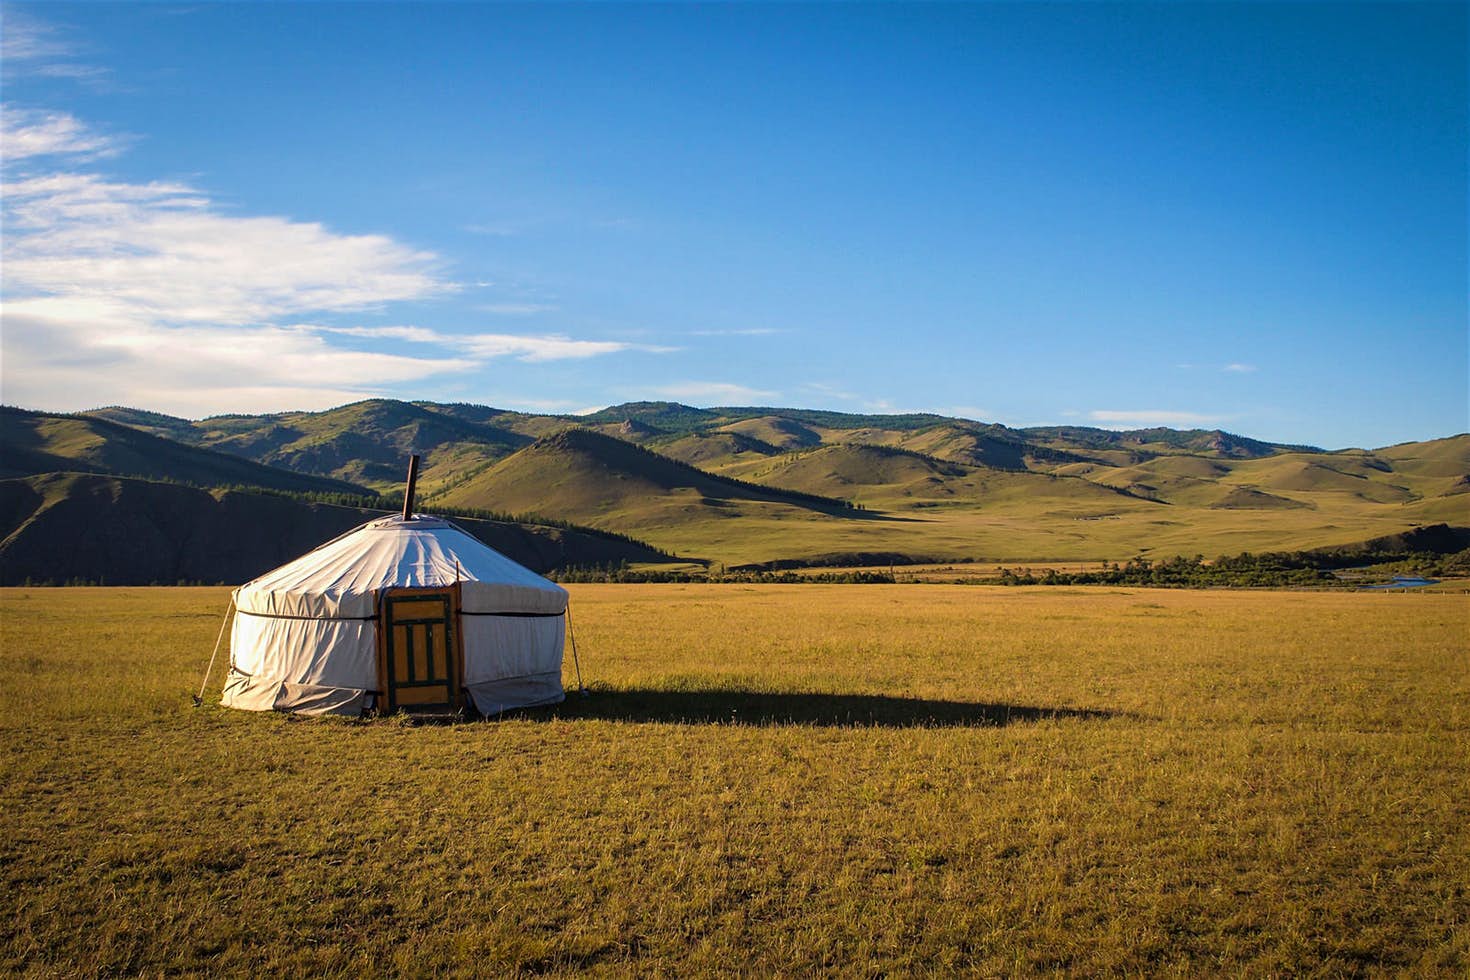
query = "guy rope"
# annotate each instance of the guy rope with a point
(199, 698)
(575, 662)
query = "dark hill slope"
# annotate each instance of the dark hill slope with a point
(69, 526)
(154, 423)
(1205, 442)
(520, 423)
(664, 416)
(1433, 539)
(835, 420)
(33, 442)
(475, 414)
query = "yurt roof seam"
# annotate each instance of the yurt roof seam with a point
(314, 619)
(324, 544)
(369, 619)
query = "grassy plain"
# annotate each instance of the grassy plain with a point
(949, 507)
(765, 779)
(1030, 530)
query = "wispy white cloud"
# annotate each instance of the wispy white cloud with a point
(1235, 367)
(543, 406)
(531, 224)
(971, 412)
(150, 294)
(27, 39)
(147, 294)
(745, 332)
(69, 354)
(517, 309)
(548, 348)
(78, 73)
(34, 47)
(830, 391)
(483, 346)
(495, 229)
(1151, 417)
(886, 406)
(414, 335)
(160, 251)
(28, 133)
(713, 391)
(880, 405)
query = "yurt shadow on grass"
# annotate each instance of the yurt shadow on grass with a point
(722, 706)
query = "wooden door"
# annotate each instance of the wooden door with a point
(419, 654)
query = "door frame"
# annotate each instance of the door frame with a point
(387, 704)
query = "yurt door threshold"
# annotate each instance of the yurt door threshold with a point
(420, 661)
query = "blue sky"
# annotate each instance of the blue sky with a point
(1246, 216)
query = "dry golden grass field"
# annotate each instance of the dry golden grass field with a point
(765, 780)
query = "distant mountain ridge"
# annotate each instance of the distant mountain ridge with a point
(90, 498)
(364, 442)
(61, 527)
(755, 484)
(35, 442)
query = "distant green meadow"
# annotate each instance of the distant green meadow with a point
(764, 779)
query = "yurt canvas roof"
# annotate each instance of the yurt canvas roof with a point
(339, 580)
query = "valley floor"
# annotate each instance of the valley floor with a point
(764, 779)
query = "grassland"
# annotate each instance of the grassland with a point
(804, 779)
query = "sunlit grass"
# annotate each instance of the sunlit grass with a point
(973, 778)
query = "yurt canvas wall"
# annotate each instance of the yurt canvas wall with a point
(397, 613)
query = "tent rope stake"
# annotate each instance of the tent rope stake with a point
(575, 662)
(199, 698)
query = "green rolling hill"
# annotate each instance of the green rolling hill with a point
(855, 470)
(601, 481)
(365, 442)
(715, 450)
(1356, 476)
(36, 442)
(759, 484)
(1246, 498)
(781, 433)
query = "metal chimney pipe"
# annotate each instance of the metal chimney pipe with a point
(413, 479)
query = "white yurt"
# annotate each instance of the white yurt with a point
(401, 613)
